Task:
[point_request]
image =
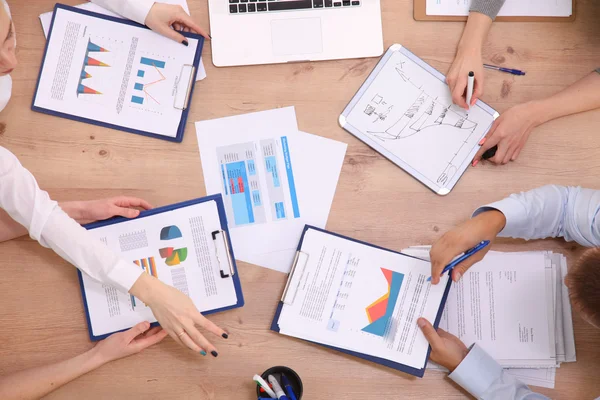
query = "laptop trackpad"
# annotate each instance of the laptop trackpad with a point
(296, 36)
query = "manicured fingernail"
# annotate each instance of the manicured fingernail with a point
(421, 322)
(475, 162)
(210, 36)
(185, 43)
(225, 336)
(203, 352)
(214, 353)
(482, 141)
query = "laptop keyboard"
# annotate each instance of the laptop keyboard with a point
(253, 6)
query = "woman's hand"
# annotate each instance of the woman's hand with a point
(468, 58)
(176, 314)
(168, 19)
(446, 349)
(510, 132)
(124, 344)
(465, 236)
(85, 212)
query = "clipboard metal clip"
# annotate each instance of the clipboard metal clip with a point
(220, 237)
(186, 78)
(295, 277)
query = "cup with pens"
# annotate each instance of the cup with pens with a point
(280, 383)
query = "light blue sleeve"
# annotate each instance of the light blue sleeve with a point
(484, 378)
(551, 211)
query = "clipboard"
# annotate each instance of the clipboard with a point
(227, 264)
(289, 294)
(420, 14)
(184, 89)
(445, 183)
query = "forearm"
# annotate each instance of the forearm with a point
(9, 228)
(583, 95)
(487, 7)
(135, 10)
(35, 383)
(475, 32)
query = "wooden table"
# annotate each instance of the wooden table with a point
(41, 313)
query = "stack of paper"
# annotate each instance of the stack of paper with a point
(274, 180)
(515, 306)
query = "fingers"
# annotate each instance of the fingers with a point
(199, 340)
(137, 330)
(167, 31)
(440, 254)
(477, 91)
(458, 271)
(125, 201)
(189, 343)
(124, 212)
(430, 334)
(189, 23)
(150, 339)
(205, 323)
(459, 91)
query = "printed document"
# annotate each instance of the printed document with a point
(361, 298)
(114, 73)
(176, 247)
(274, 180)
(512, 8)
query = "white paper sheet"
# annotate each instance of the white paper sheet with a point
(357, 297)
(46, 20)
(129, 78)
(175, 247)
(512, 8)
(274, 180)
(408, 112)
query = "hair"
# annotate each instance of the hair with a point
(584, 284)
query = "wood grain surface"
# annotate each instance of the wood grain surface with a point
(41, 313)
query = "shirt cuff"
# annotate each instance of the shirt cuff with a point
(124, 275)
(514, 212)
(477, 372)
(137, 10)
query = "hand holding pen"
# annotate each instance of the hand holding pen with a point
(466, 236)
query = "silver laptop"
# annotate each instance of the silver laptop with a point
(247, 32)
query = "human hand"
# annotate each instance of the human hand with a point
(468, 58)
(132, 341)
(446, 349)
(509, 132)
(465, 236)
(85, 212)
(168, 19)
(176, 314)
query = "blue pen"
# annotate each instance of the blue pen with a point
(502, 69)
(288, 387)
(462, 258)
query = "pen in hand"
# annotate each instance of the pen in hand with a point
(462, 258)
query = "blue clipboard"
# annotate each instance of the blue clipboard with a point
(222, 217)
(400, 367)
(446, 184)
(184, 114)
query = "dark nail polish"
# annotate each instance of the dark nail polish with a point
(214, 353)
(203, 352)
(225, 336)
(210, 36)
(185, 43)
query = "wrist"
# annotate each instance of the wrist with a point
(475, 33)
(541, 111)
(495, 220)
(73, 209)
(145, 288)
(94, 359)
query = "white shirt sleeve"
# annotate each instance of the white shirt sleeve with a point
(551, 211)
(484, 378)
(135, 10)
(46, 222)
